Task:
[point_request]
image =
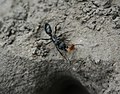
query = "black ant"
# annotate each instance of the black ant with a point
(58, 42)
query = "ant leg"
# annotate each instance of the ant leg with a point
(43, 39)
(62, 54)
(48, 43)
(56, 28)
(63, 34)
(63, 37)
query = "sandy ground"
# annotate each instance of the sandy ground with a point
(95, 24)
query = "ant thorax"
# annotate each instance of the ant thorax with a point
(59, 43)
(55, 40)
(62, 46)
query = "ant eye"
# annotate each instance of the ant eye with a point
(48, 29)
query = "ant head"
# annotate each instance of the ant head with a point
(48, 29)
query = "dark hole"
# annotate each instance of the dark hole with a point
(67, 85)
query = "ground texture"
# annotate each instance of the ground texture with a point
(94, 24)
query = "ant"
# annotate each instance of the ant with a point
(58, 42)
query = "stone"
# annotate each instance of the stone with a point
(106, 3)
(116, 23)
(98, 28)
(92, 26)
(86, 10)
(96, 3)
(10, 40)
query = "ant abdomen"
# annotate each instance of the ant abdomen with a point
(48, 29)
(62, 46)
